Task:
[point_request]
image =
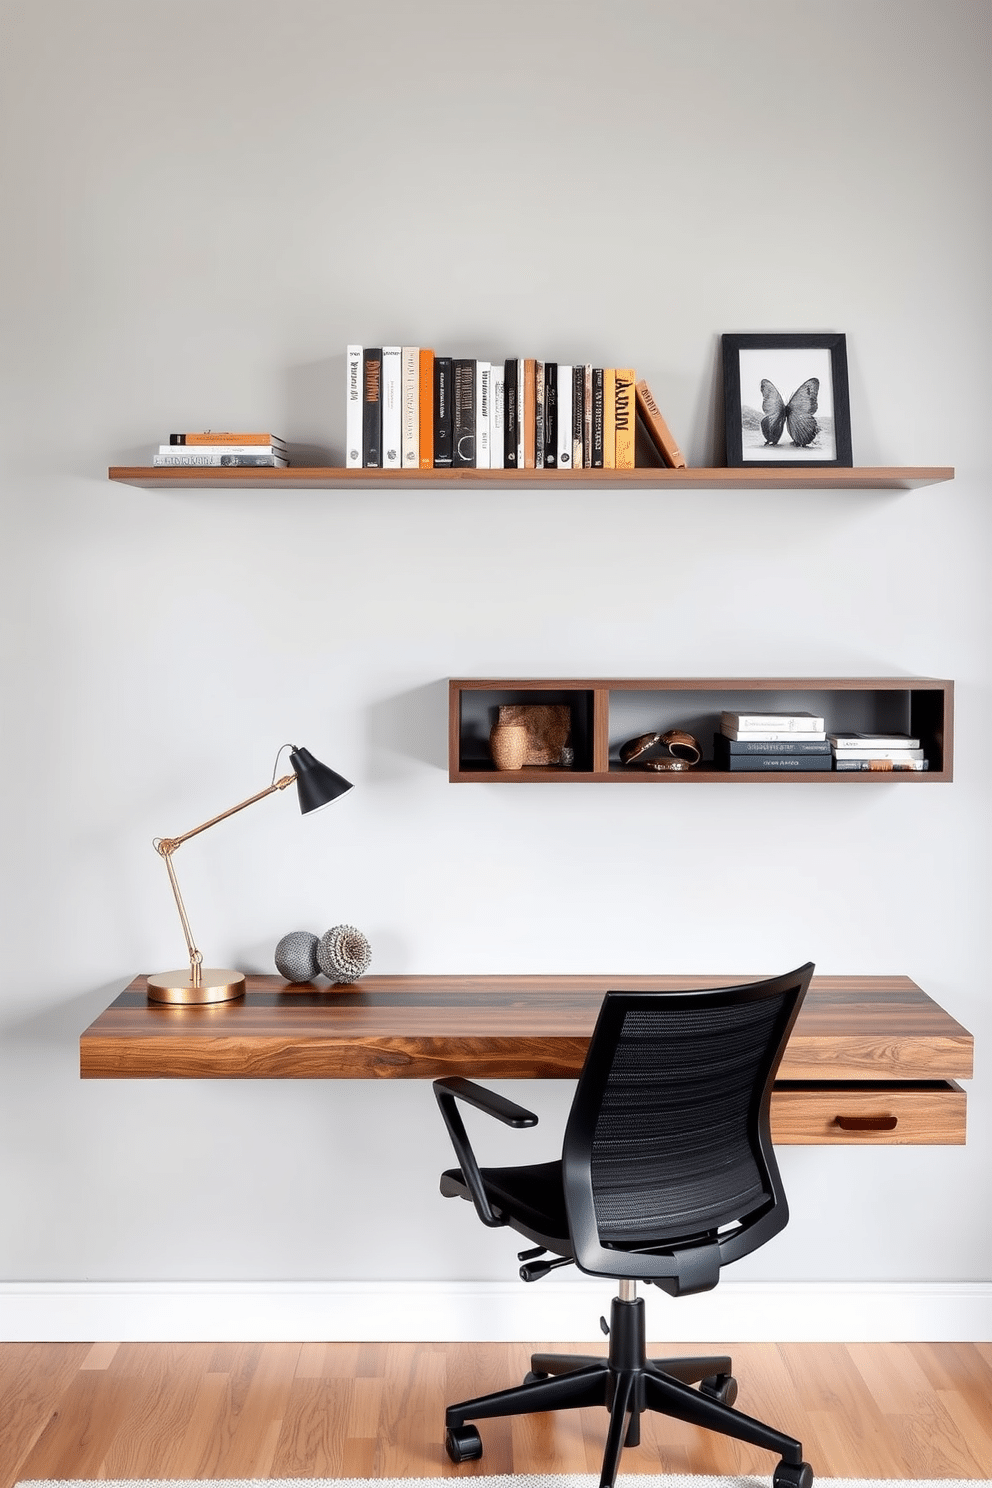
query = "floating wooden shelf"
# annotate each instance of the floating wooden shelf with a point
(649, 478)
(605, 712)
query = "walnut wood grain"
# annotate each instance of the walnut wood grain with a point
(649, 477)
(495, 1027)
(891, 1114)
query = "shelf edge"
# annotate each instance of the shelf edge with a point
(765, 478)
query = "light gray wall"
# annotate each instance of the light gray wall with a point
(204, 202)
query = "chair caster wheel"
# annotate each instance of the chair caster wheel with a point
(723, 1387)
(787, 1476)
(464, 1444)
(532, 1376)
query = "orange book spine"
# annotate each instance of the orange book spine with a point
(426, 409)
(661, 434)
(609, 418)
(624, 418)
(209, 437)
(529, 416)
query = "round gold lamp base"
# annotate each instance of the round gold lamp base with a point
(215, 985)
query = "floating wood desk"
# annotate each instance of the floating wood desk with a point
(871, 1059)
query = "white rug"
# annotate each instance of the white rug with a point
(500, 1480)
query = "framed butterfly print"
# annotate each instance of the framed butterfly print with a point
(786, 399)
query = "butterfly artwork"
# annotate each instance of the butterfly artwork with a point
(797, 415)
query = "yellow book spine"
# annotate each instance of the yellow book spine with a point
(625, 418)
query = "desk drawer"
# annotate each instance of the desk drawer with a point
(879, 1113)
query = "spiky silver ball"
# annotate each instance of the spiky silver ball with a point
(343, 954)
(296, 956)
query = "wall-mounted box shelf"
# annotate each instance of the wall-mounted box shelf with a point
(649, 478)
(608, 711)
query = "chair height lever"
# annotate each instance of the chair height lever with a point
(535, 1270)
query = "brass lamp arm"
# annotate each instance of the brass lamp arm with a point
(166, 846)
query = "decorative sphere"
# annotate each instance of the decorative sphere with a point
(296, 956)
(343, 954)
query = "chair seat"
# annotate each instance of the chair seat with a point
(531, 1199)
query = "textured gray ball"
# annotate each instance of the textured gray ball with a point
(296, 956)
(343, 954)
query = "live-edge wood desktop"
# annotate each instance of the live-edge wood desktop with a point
(872, 1059)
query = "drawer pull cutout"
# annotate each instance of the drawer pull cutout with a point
(866, 1123)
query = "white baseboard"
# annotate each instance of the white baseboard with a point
(556, 1310)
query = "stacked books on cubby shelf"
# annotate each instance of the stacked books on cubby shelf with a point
(771, 742)
(409, 409)
(877, 752)
(211, 448)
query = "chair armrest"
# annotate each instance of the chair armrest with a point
(489, 1101)
(447, 1093)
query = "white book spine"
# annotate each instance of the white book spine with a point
(879, 754)
(779, 721)
(775, 736)
(410, 395)
(520, 413)
(186, 458)
(183, 450)
(483, 410)
(353, 414)
(392, 407)
(564, 417)
(497, 391)
(587, 416)
(872, 741)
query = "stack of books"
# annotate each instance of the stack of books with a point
(409, 409)
(211, 448)
(771, 742)
(877, 752)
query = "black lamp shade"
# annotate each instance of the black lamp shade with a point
(316, 784)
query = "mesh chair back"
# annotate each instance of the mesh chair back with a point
(668, 1141)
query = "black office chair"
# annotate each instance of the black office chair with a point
(667, 1174)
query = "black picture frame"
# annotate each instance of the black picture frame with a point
(792, 425)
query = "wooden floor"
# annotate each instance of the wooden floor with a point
(375, 1410)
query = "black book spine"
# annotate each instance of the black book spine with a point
(551, 413)
(510, 396)
(768, 763)
(578, 414)
(372, 407)
(442, 412)
(597, 418)
(463, 412)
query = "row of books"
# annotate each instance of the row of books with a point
(221, 449)
(799, 741)
(408, 409)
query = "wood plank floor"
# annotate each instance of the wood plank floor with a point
(137, 1410)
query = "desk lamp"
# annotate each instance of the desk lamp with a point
(316, 786)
